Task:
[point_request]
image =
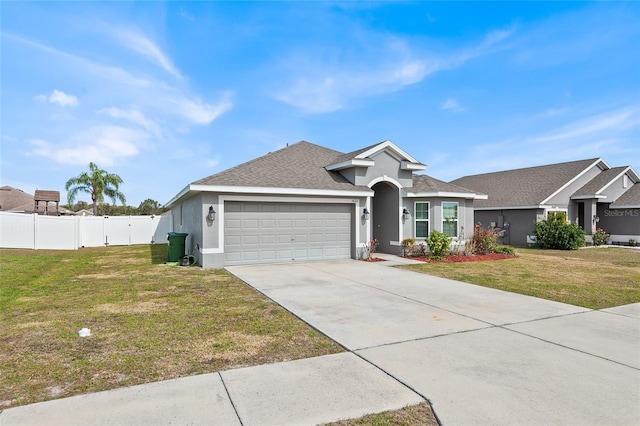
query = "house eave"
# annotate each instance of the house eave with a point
(350, 163)
(222, 189)
(630, 206)
(444, 194)
(511, 207)
(407, 165)
(589, 197)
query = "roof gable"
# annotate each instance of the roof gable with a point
(363, 157)
(629, 200)
(595, 187)
(526, 187)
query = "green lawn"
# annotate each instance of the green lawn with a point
(595, 278)
(149, 322)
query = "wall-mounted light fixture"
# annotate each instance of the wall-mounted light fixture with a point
(596, 219)
(405, 212)
(365, 214)
(212, 214)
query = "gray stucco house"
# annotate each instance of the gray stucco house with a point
(308, 202)
(592, 194)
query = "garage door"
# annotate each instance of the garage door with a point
(283, 232)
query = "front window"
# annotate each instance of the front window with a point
(422, 220)
(450, 219)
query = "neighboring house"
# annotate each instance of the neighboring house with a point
(84, 212)
(591, 193)
(307, 202)
(17, 201)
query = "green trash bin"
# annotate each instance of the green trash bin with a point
(176, 246)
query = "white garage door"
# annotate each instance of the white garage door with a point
(284, 232)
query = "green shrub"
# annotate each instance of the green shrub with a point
(505, 250)
(556, 233)
(438, 245)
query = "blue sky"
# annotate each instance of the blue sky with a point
(165, 93)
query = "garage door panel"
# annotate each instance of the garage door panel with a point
(233, 223)
(251, 240)
(250, 223)
(268, 224)
(268, 239)
(280, 232)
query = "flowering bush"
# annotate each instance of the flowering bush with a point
(484, 241)
(600, 237)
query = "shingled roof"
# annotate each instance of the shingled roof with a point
(523, 187)
(629, 200)
(597, 184)
(427, 184)
(300, 165)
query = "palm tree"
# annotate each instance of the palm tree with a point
(96, 183)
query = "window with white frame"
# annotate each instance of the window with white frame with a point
(450, 219)
(421, 219)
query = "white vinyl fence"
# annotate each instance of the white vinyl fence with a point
(32, 231)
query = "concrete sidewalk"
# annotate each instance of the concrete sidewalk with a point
(302, 392)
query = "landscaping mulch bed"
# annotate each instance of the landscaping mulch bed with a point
(462, 258)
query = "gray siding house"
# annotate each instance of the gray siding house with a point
(590, 192)
(308, 202)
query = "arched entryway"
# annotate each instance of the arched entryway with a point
(385, 213)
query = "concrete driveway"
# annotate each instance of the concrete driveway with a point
(481, 356)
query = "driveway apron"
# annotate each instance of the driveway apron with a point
(481, 356)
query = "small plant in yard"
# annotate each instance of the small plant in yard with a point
(600, 237)
(407, 245)
(420, 250)
(438, 243)
(632, 242)
(370, 248)
(505, 250)
(484, 241)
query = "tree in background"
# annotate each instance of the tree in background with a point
(149, 207)
(97, 183)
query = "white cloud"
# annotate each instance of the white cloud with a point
(100, 144)
(85, 66)
(316, 85)
(58, 97)
(141, 44)
(200, 112)
(213, 162)
(552, 112)
(61, 98)
(452, 104)
(602, 125)
(186, 15)
(133, 116)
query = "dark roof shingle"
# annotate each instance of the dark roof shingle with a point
(631, 198)
(300, 165)
(425, 183)
(522, 187)
(595, 185)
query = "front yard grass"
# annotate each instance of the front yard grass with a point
(594, 278)
(148, 321)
